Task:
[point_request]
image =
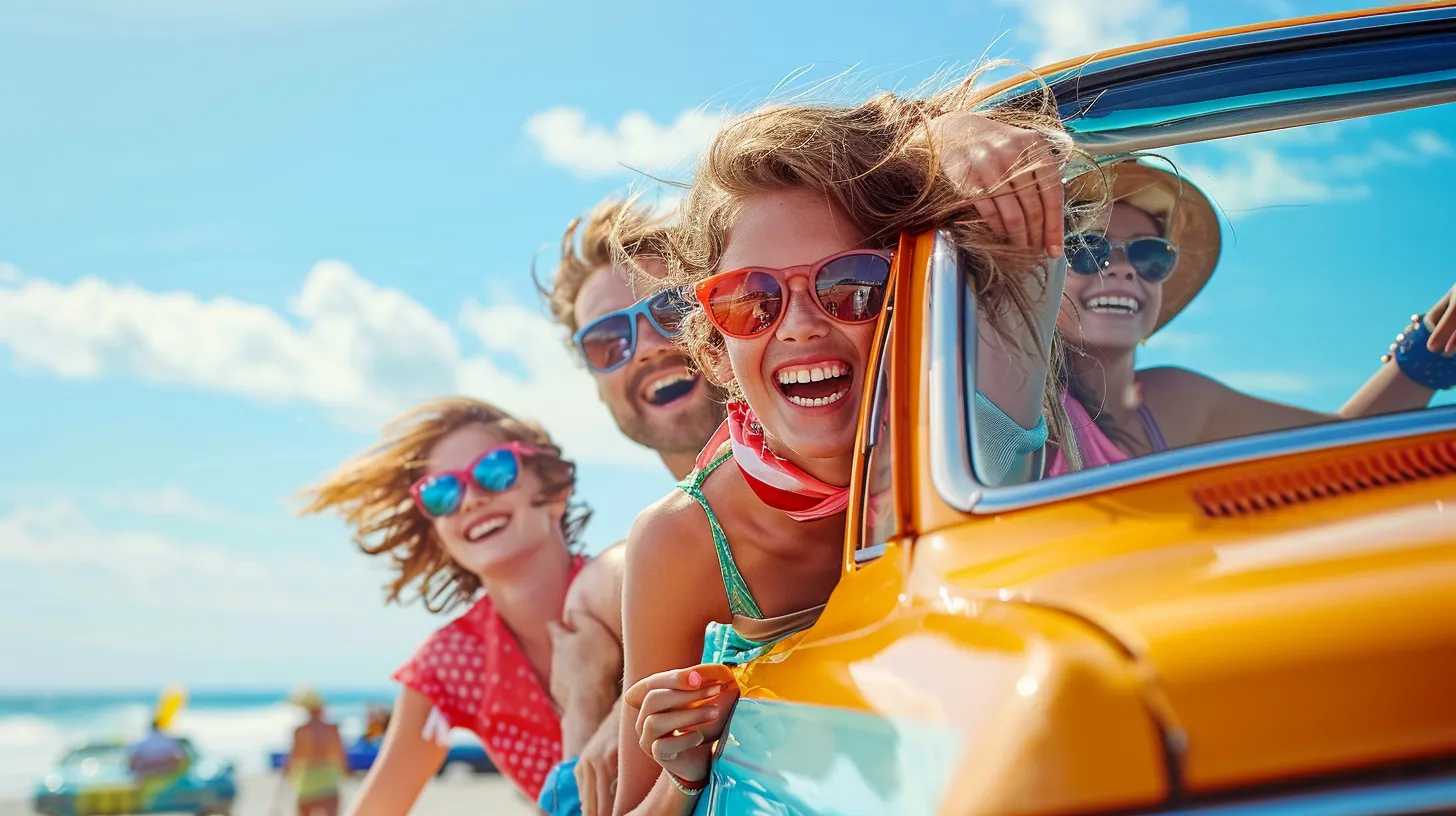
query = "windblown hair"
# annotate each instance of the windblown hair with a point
(372, 493)
(610, 235)
(876, 164)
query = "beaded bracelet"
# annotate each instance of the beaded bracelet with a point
(1426, 368)
(688, 788)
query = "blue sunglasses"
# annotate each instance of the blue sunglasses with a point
(608, 342)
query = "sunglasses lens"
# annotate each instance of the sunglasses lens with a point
(745, 304)
(441, 496)
(1153, 258)
(608, 342)
(668, 309)
(852, 288)
(496, 471)
(1088, 253)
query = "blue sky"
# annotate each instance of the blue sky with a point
(236, 235)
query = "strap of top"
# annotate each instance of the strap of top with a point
(1150, 425)
(740, 600)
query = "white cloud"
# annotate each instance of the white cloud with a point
(10, 274)
(166, 502)
(1267, 382)
(107, 591)
(637, 142)
(359, 350)
(1063, 29)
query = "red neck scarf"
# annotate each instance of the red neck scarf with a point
(776, 481)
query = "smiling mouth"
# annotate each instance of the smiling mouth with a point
(487, 527)
(817, 385)
(1114, 304)
(670, 388)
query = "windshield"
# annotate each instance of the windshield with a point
(1251, 285)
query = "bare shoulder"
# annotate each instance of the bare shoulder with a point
(597, 590)
(670, 540)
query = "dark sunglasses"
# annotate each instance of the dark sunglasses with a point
(440, 494)
(849, 287)
(610, 341)
(1089, 253)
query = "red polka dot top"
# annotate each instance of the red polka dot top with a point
(477, 676)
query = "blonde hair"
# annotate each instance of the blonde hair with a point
(611, 234)
(876, 164)
(372, 493)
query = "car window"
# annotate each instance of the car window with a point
(1254, 285)
(878, 521)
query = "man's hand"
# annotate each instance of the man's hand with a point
(586, 660)
(596, 767)
(586, 669)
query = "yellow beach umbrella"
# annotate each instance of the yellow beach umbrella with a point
(169, 703)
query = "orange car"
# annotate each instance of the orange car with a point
(1262, 624)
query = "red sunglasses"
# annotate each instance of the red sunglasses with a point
(439, 494)
(849, 287)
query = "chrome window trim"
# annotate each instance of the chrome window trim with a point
(1327, 98)
(950, 449)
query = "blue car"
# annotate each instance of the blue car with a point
(94, 780)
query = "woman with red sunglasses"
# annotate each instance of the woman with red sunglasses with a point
(474, 506)
(786, 241)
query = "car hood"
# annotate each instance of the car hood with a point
(1282, 644)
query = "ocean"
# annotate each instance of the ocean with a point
(241, 727)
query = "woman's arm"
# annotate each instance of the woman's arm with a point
(666, 605)
(1390, 390)
(586, 662)
(406, 761)
(341, 755)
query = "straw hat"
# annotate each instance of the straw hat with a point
(1185, 214)
(308, 699)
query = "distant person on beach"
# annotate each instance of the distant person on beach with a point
(474, 507)
(660, 401)
(317, 763)
(156, 754)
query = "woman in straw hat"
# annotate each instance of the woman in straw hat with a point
(1154, 253)
(317, 762)
(474, 508)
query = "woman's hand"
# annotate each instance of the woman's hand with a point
(979, 155)
(681, 713)
(1442, 317)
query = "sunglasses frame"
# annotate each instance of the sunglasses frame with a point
(466, 477)
(704, 288)
(641, 307)
(1119, 245)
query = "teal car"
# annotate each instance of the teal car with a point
(94, 780)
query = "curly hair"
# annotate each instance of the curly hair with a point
(371, 492)
(610, 235)
(876, 164)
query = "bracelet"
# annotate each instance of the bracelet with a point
(688, 788)
(1426, 368)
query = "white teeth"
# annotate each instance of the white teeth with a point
(1114, 304)
(667, 380)
(814, 403)
(486, 527)
(811, 374)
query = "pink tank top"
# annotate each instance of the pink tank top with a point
(1097, 450)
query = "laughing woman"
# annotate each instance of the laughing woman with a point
(473, 506)
(787, 238)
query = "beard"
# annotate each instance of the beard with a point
(687, 431)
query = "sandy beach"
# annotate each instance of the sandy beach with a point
(452, 795)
